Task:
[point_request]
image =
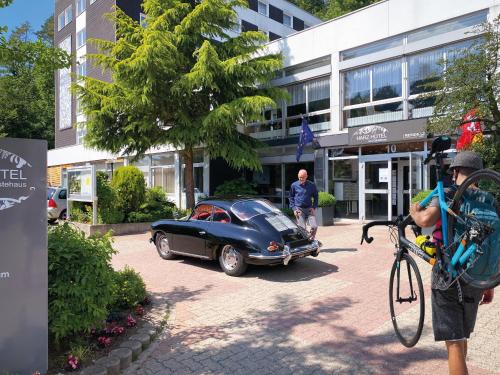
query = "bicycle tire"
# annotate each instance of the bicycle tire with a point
(411, 339)
(478, 176)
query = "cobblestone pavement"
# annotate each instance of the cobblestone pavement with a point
(324, 315)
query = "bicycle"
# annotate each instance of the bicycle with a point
(453, 258)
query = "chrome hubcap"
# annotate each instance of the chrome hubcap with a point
(230, 257)
(164, 247)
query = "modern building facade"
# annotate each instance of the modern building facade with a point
(360, 82)
(76, 21)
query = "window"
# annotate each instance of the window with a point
(448, 26)
(82, 68)
(80, 6)
(92, 1)
(373, 94)
(81, 38)
(380, 45)
(309, 65)
(202, 212)
(142, 20)
(311, 98)
(81, 131)
(247, 26)
(287, 20)
(65, 17)
(262, 8)
(164, 159)
(64, 90)
(273, 36)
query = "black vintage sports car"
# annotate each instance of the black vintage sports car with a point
(236, 231)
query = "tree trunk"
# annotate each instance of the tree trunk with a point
(188, 177)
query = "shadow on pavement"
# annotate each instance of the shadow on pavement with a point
(334, 250)
(271, 341)
(299, 270)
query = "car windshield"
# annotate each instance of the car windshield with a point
(50, 192)
(245, 210)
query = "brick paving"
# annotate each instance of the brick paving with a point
(324, 315)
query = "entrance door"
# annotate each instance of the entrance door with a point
(375, 186)
(410, 177)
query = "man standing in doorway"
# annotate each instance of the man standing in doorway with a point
(304, 201)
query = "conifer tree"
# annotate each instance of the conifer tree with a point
(180, 79)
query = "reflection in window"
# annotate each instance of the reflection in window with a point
(357, 86)
(424, 69)
(387, 80)
(344, 186)
(318, 95)
(297, 104)
(447, 26)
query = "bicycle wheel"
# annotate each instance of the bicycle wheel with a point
(477, 194)
(406, 300)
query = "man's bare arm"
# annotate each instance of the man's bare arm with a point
(424, 217)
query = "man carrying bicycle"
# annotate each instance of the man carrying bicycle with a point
(454, 310)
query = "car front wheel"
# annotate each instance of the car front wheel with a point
(163, 247)
(231, 261)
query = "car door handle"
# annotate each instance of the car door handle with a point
(202, 232)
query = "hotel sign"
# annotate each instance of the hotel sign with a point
(388, 132)
(23, 256)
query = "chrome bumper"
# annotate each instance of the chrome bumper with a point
(287, 254)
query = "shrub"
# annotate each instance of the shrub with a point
(130, 187)
(80, 280)
(81, 212)
(235, 187)
(129, 289)
(155, 207)
(419, 197)
(326, 199)
(108, 211)
(288, 211)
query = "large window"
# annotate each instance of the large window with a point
(373, 94)
(64, 90)
(376, 93)
(311, 98)
(64, 17)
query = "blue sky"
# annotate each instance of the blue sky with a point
(33, 11)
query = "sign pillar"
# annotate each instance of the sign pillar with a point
(23, 256)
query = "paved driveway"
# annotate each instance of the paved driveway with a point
(317, 316)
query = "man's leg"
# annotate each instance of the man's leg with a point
(301, 219)
(313, 224)
(456, 357)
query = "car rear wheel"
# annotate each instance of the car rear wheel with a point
(63, 215)
(163, 247)
(231, 261)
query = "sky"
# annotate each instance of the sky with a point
(33, 11)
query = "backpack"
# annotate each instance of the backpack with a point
(483, 206)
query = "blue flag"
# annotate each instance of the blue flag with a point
(306, 136)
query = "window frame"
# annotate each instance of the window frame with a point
(291, 20)
(78, 37)
(80, 6)
(259, 3)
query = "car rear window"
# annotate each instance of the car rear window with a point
(245, 210)
(50, 192)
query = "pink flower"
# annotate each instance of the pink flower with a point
(131, 322)
(104, 341)
(73, 362)
(118, 330)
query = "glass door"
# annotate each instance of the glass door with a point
(416, 175)
(375, 176)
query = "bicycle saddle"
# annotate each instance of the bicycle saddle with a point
(440, 144)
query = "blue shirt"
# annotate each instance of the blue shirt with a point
(303, 196)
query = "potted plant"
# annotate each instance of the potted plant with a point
(324, 213)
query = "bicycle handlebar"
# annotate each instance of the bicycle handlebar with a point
(365, 237)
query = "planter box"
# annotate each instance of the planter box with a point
(118, 229)
(324, 216)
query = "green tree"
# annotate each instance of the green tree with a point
(181, 80)
(27, 85)
(328, 9)
(472, 81)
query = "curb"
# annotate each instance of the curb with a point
(131, 353)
